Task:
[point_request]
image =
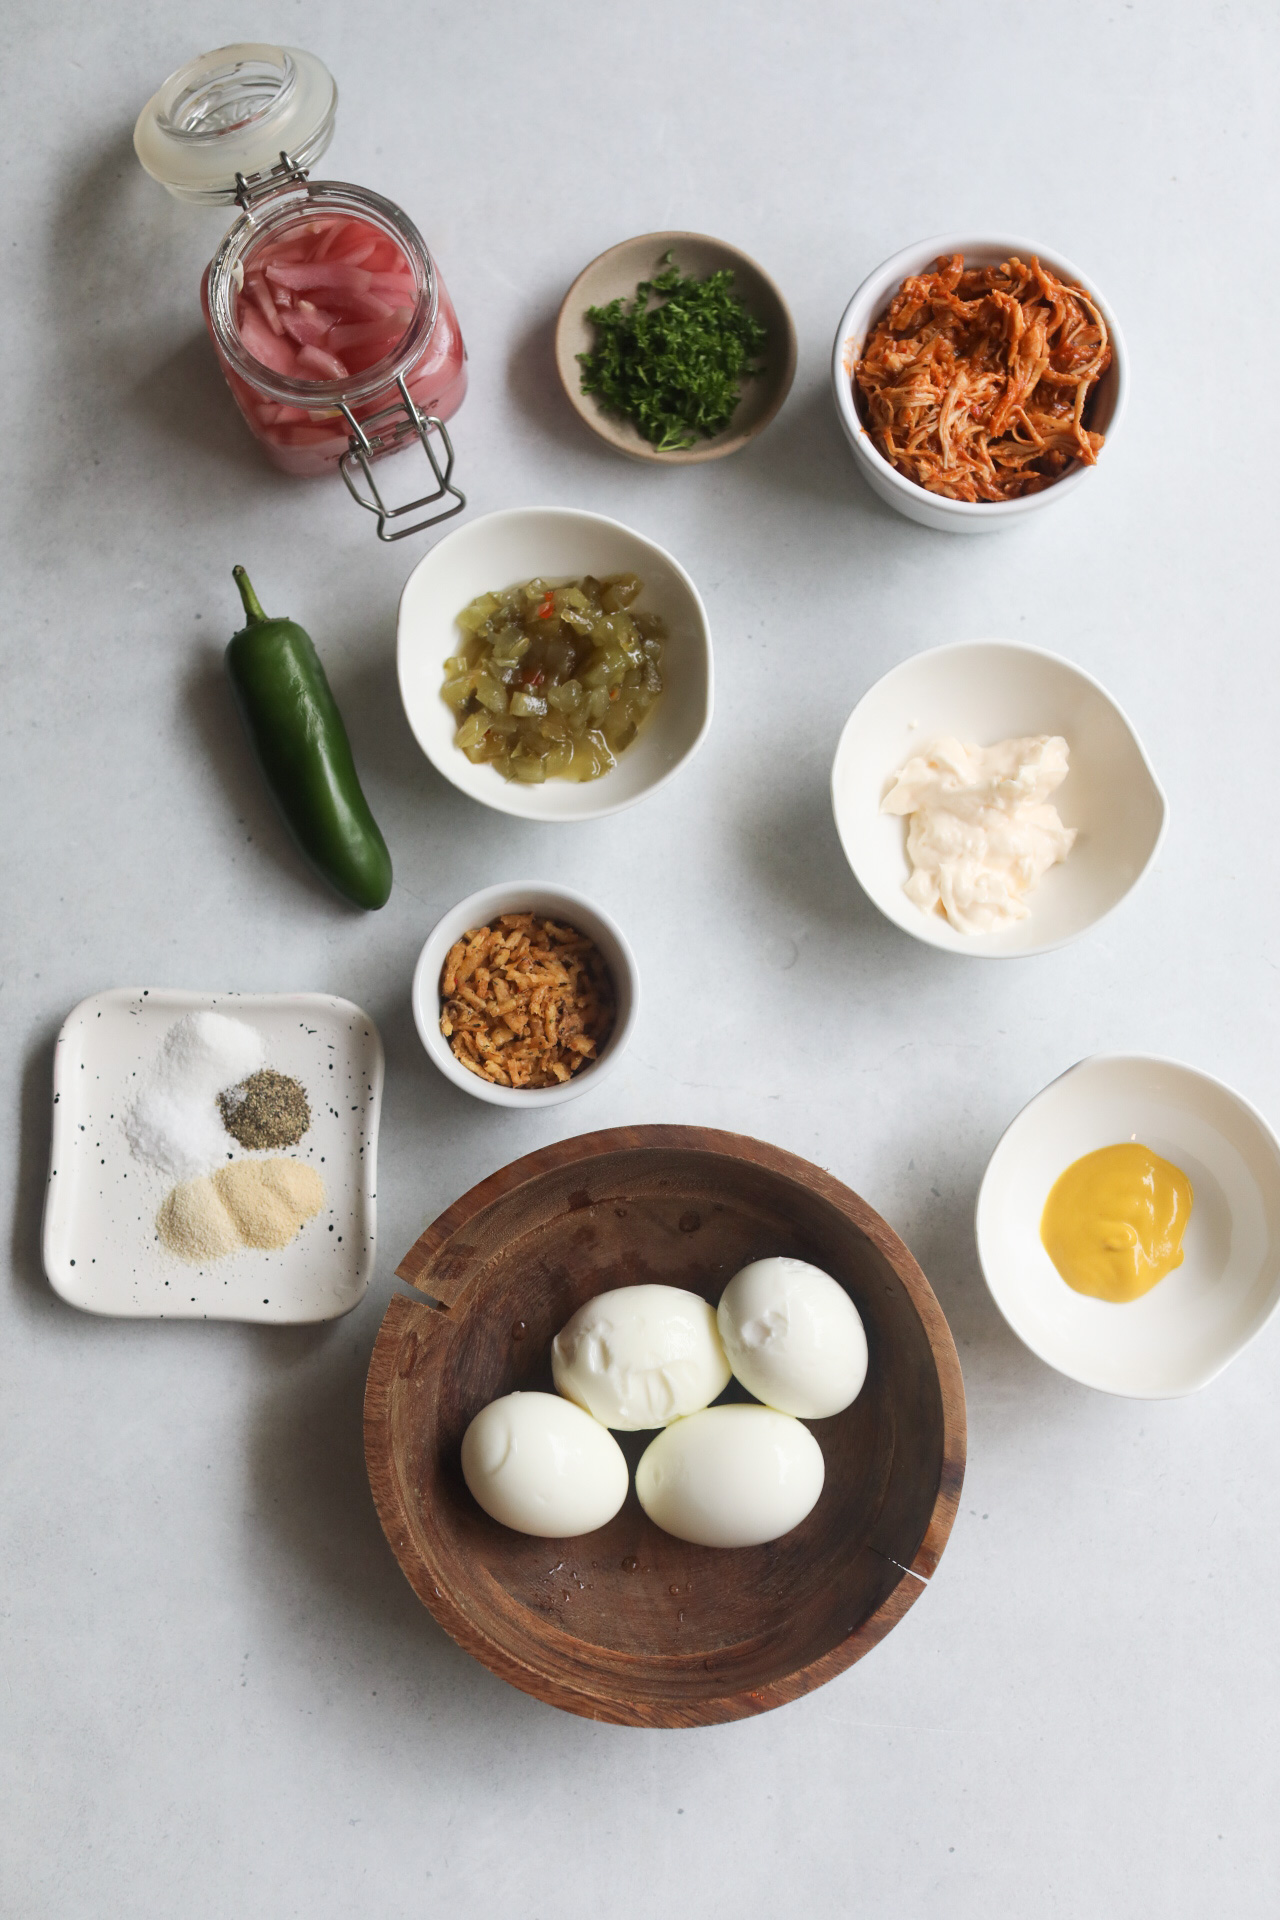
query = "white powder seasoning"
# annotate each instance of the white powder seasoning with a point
(174, 1122)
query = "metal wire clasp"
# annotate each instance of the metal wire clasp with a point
(361, 451)
(257, 186)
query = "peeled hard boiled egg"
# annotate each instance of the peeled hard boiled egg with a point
(539, 1465)
(640, 1356)
(731, 1476)
(793, 1337)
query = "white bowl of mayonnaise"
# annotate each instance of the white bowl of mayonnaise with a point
(993, 800)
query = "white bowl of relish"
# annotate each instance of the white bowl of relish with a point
(554, 544)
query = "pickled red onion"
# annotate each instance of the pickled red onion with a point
(329, 238)
(309, 326)
(342, 295)
(314, 361)
(361, 333)
(319, 273)
(276, 353)
(368, 306)
(257, 292)
(391, 282)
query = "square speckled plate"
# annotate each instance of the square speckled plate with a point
(101, 1249)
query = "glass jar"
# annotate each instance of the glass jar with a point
(240, 125)
(305, 424)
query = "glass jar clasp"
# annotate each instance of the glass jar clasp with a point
(256, 186)
(360, 452)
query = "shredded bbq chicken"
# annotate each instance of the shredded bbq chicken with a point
(975, 384)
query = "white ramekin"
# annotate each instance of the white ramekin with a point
(867, 306)
(553, 903)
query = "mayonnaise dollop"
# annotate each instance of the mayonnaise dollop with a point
(982, 834)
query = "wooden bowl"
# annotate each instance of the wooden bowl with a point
(629, 1624)
(615, 275)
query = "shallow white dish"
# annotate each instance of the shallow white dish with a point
(553, 903)
(101, 1249)
(1191, 1325)
(985, 691)
(556, 544)
(869, 304)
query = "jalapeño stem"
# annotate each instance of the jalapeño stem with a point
(252, 605)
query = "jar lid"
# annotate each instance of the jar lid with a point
(234, 111)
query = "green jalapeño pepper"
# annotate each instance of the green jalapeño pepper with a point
(297, 735)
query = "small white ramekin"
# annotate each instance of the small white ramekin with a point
(868, 305)
(552, 903)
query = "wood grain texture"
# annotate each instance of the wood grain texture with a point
(629, 1624)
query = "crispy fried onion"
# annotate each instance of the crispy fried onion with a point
(975, 384)
(525, 1002)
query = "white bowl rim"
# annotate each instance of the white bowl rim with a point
(897, 265)
(1048, 946)
(424, 989)
(1264, 1128)
(508, 799)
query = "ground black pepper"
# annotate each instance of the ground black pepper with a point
(267, 1110)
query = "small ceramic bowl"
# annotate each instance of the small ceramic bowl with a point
(615, 275)
(984, 691)
(557, 544)
(868, 305)
(1180, 1335)
(552, 903)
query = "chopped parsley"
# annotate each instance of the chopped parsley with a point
(676, 368)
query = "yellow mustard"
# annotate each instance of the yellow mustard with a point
(1114, 1221)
